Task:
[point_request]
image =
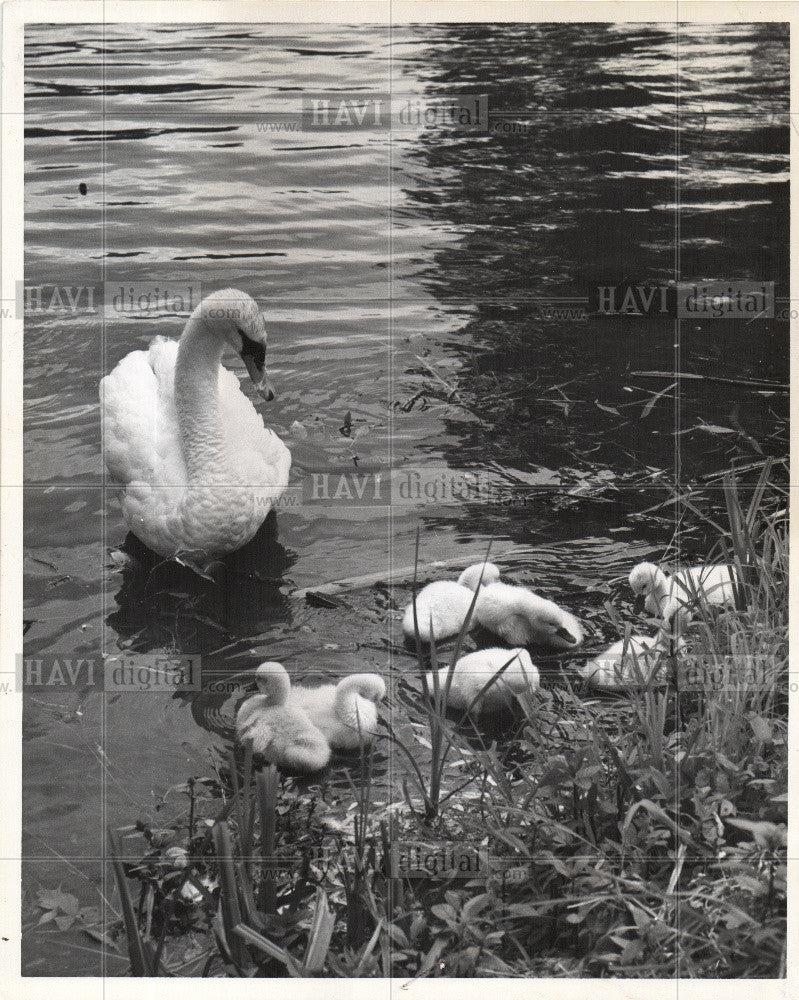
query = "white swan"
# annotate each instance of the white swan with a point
(623, 663)
(479, 575)
(442, 606)
(473, 671)
(345, 713)
(715, 584)
(614, 668)
(280, 733)
(521, 617)
(201, 471)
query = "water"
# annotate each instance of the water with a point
(407, 283)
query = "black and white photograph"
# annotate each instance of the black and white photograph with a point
(396, 454)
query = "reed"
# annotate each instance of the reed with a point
(636, 835)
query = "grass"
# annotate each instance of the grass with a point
(638, 836)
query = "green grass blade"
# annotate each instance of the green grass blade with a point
(320, 935)
(141, 962)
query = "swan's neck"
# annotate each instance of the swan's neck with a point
(276, 688)
(347, 692)
(663, 585)
(197, 401)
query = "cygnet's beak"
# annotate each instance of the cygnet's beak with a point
(639, 604)
(565, 634)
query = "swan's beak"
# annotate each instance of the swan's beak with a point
(265, 389)
(253, 355)
(565, 634)
(639, 604)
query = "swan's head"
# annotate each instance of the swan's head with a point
(470, 577)
(373, 687)
(369, 686)
(558, 630)
(550, 621)
(273, 682)
(234, 315)
(644, 579)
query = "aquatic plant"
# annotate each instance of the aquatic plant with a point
(636, 834)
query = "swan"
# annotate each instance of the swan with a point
(345, 713)
(521, 617)
(200, 469)
(715, 584)
(442, 606)
(479, 575)
(279, 732)
(473, 671)
(615, 668)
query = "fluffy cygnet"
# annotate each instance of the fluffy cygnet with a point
(345, 713)
(625, 662)
(281, 734)
(522, 618)
(473, 671)
(442, 606)
(715, 584)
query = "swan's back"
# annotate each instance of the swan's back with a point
(473, 671)
(343, 729)
(313, 700)
(520, 616)
(282, 734)
(713, 582)
(441, 610)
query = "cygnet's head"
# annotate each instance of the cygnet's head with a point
(471, 576)
(273, 682)
(644, 578)
(234, 315)
(369, 686)
(550, 621)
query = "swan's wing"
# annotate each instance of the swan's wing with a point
(258, 452)
(140, 430)
(514, 628)
(445, 604)
(254, 722)
(316, 702)
(715, 582)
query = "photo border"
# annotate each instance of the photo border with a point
(15, 15)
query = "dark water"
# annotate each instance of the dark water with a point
(408, 279)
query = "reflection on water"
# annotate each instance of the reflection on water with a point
(425, 303)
